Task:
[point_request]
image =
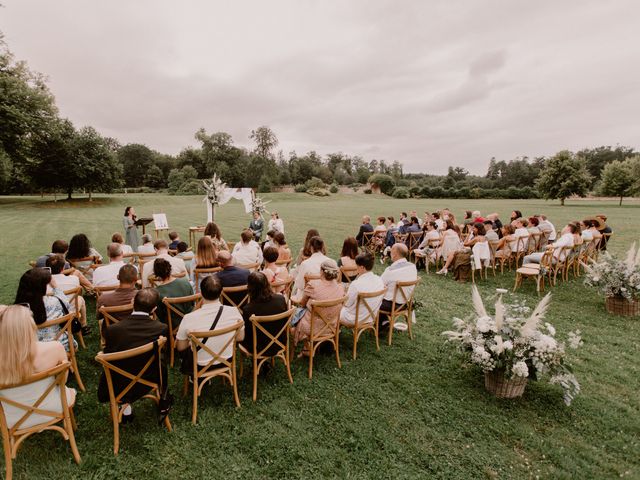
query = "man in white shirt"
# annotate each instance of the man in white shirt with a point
(247, 251)
(107, 276)
(312, 264)
(211, 316)
(67, 282)
(559, 252)
(400, 270)
(366, 282)
(521, 231)
(490, 233)
(162, 251)
(547, 228)
(147, 244)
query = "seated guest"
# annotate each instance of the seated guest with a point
(262, 302)
(366, 227)
(187, 257)
(119, 239)
(247, 251)
(348, 257)
(59, 247)
(79, 249)
(269, 242)
(496, 223)
(468, 218)
(520, 232)
(604, 229)
(284, 252)
(213, 232)
(477, 217)
(380, 233)
(403, 220)
(449, 241)
(490, 233)
(477, 236)
(305, 251)
(123, 295)
(276, 223)
(22, 356)
(585, 231)
(211, 316)
(414, 226)
(231, 276)
(32, 291)
(171, 287)
(136, 330)
(206, 257)
(161, 248)
(273, 272)
(366, 282)
(107, 276)
(515, 215)
(507, 243)
(312, 264)
(400, 270)
(439, 221)
(559, 253)
(547, 228)
(533, 226)
(325, 288)
(147, 245)
(592, 225)
(256, 226)
(430, 242)
(175, 240)
(65, 283)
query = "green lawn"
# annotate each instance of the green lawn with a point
(407, 411)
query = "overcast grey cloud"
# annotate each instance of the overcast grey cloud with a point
(429, 84)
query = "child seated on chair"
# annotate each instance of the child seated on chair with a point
(185, 255)
(175, 240)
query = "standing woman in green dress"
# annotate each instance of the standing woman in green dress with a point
(130, 229)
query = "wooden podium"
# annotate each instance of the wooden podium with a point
(143, 222)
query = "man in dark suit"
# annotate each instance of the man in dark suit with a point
(136, 330)
(231, 276)
(366, 227)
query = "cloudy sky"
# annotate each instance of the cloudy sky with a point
(429, 84)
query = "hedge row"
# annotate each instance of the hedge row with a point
(465, 192)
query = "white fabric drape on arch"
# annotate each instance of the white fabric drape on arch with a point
(244, 194)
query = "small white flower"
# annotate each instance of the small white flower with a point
(550, 329)
(508, 345)
(520, 369)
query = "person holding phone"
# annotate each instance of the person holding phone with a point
(130, 228)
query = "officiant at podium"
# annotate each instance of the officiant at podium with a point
(130, 228)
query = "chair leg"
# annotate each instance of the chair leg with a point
(376, 332)
(194, 408)
(391, 322)
(69, 427)
(8, 460)
(410, 322)
(116, 428)
(355, 343)
(76, 373)
(234, 380)
(336, 345)
(255, 379)
(287, 363)
(311, 352)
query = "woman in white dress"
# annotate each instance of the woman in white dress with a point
(276, 223)
(21, 356)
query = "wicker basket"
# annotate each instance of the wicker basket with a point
(496, 384)
(622, 306)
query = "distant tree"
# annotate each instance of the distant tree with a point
(386, 183)
(457, 173)
(563, 175)
(136, 160)
(53, 158)
(634, 167)
(155, 178)
(96, 164)
(616, 180)
(265, 141)
(193, 157)
(597, 158)
(179, 178)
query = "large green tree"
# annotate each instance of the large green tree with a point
(562, 176)
(597, 158)
(136, 160)
(616, 180)
(96, 165)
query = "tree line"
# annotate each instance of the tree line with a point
(42, 152)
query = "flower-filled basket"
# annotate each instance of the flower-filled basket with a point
(618, 280)
(513, 346)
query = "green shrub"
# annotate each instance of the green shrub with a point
(386, 183)
(400, 192)
(355, 186)
(318, 192)
(368, 191)
(300, 188)
(314, 182)
(414, 191)
(334, 188)
(265, 184)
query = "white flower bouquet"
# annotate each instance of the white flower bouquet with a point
(515, 344)
(614, 277)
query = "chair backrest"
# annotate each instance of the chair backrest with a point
(311, 276)
(367, 239)
(522, 244)
(348, 273)
(64, 324)
(33, 414)
(199, 273)
(413, 241)
(109, 314)
(252, 267)
(324, 323)
(403, 292)
(100, 290)
(73, 296)
(171, 302)
(481, 253)
(278, 341)
(534, 242)
(129, 257)
(107, 361)
(229, 297)
(286, 262)
(84, 265)
(143, 259)
(219, 354)
(367, 306)
(283, 286)
(230, 246)
(546, 262)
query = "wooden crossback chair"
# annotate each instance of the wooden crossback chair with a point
(227, 294)
(285, 286)
(534, 244)
(116, 403)
(369, 320)
(218, 365)
(278, 342)
(129, 257)
(413, 242)
(200, 273)
(493, 246)
(522, 247)
(327, 330)
(284, 263)
(143, 259)
(348, 273)
(64, 323)
(486, 264)
(405, 309)
(100, 290)
(84, 265)
(170, 304)
(73, 295)
(368, 245)
(14, 435)
(109, 318)
(536, 271)
(230, 246)
(252, 267)
(311, 276)
(561, 266)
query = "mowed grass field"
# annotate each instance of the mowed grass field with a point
(406, 411)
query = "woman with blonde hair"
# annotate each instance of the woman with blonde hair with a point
(206, 257)
(326, 287)
(21, 356)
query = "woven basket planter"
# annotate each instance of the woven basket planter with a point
(622, 306)
(496, 384)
